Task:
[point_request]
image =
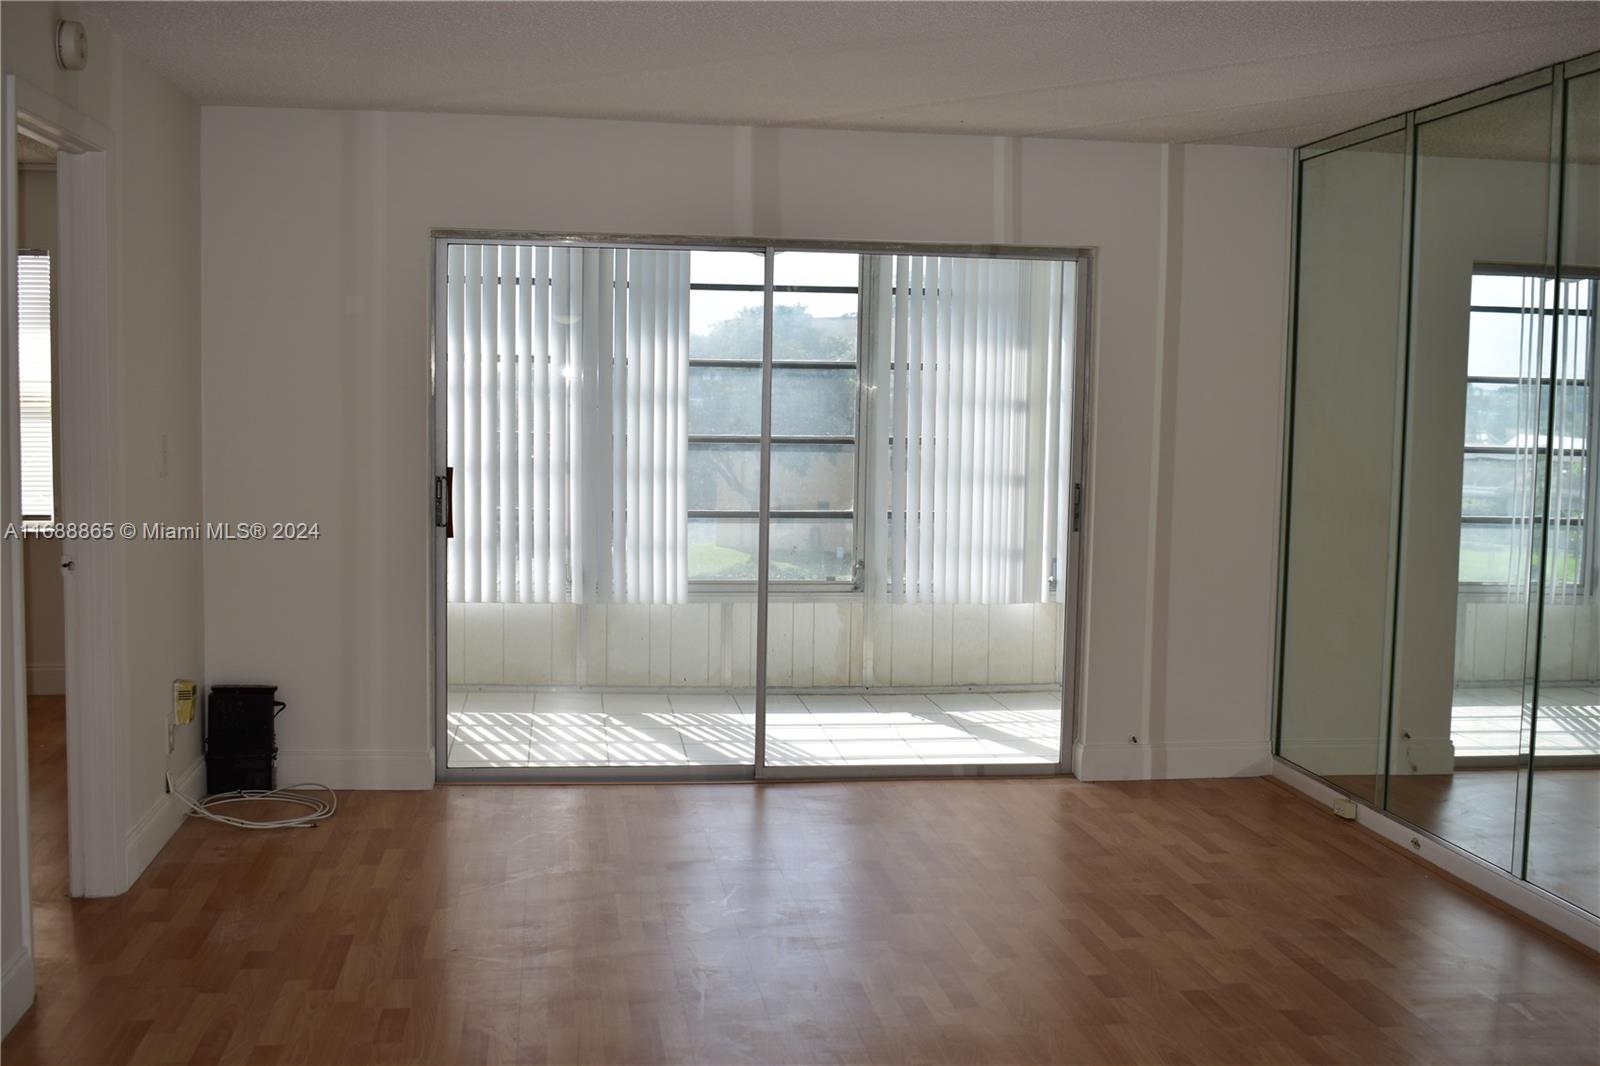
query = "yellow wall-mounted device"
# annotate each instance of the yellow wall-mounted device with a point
(185, 694)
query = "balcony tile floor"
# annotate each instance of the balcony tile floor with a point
(501, 727)
(1487, 720)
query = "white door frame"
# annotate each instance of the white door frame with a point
(16, 969)
(96, 724)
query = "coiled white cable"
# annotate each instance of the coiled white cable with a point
(320, 809)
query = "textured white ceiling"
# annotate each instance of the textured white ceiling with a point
(1242, 73)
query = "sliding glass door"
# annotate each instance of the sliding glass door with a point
(948, 648)
(728, 511)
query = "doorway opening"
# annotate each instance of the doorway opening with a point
(44, 631)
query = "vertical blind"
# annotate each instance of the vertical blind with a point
(1551, 409)
(972, 404)
(648, 388)
(33, 380)
(1570, 415)
(567, 373)
(1526, 444)
(567, 391)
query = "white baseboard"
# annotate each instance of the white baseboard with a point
(155, 827)
(1158, 762)
(1423, 755)
(357, 769)
(16, 989)
(47, 679)
(1333, 757)
(1516, 893)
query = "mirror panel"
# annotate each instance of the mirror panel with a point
(1439, 649)
(1564, 806)
(1478, 407)
(1341, 507)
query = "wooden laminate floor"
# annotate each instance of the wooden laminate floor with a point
(47, 815)
(981, 921)
(1476, 809)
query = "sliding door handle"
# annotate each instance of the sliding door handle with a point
(444, 501)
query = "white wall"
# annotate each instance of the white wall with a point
(155, 388)
(315, 337)
(1225, 457)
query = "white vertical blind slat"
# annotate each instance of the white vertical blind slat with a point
(635, 499)
(927, 447)
(1054, 481)
(471, 473)
(965, 431)
(983, 429)
(455, 418)
(489, 425)
(1063, 331)
(505, 364)
(615, 362)
(562, 272)
(645, 366)
(539, 446)
(879, 551)
(897, 433)
(909, 363)
(1011, 393)
(1022, 389)
(587, 303)
(678, 438)
(999, 417)
(940, 509)
(523, 351)
(650, 435)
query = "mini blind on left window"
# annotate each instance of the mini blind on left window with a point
(33, 379)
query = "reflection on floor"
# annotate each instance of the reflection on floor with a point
(521, 727)
(1477, 810)
(1488, 720)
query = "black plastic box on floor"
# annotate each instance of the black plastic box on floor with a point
(240, 741)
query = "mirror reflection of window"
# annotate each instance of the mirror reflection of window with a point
(1524, 352)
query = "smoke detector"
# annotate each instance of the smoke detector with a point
(72, 45)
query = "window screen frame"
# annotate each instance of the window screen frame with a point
(715, 588)
(1587, 575)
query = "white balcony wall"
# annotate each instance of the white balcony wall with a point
(814, 644)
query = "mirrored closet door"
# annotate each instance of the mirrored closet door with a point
(1440, 646)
